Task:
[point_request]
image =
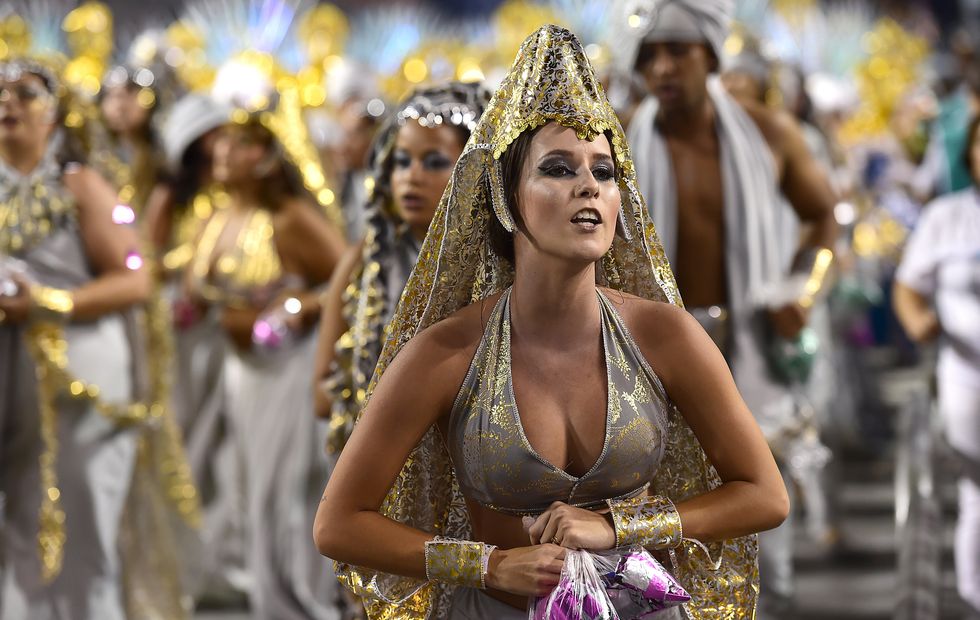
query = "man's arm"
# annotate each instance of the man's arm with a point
(805, 185)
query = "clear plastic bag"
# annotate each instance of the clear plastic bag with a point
(622, 584)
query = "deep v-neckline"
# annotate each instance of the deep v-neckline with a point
(513, 395)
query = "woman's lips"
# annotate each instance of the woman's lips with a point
(412, 202)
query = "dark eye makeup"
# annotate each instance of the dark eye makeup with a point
(431, 161)
(24, 92)
(559, 168)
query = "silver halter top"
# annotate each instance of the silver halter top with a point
(494, 462)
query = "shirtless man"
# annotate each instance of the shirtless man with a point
(676, 74)
(715, 174)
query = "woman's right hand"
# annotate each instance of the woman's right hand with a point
(528, 571)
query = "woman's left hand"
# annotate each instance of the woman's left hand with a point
(573, 528)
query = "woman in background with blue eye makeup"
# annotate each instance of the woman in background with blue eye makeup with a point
(411, 161)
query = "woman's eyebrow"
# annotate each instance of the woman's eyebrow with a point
(567, 153)
(556, 153)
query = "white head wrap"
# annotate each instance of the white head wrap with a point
(192, 116)
(686, 21)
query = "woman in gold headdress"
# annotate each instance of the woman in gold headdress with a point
(412, 158)
(257, 264)
(130, 157)
(69, 370)
(539, 265)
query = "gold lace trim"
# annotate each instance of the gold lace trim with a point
(251, 264)
(651, 522)
(364, 305)
(456, 562)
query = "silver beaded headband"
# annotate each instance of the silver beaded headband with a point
(13, 70)
(456, 104)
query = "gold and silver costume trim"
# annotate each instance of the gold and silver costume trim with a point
(651, 522)
(457, 562)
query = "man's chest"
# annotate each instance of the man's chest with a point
(698, 182)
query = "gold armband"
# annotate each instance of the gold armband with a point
(51, 305)
(815, 262)
(457, 562)
(650, 522)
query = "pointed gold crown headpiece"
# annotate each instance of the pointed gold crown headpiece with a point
(551, 80)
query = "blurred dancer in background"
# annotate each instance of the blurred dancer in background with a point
(257, 264)
(131, 156)
(71, 368)
(178, 207)
(937, 294)
(412, 158)
(715, 174)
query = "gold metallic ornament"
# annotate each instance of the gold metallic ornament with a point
(323, 30)
(88, 31)
(51, 304)
(894, 67)
(15, 37)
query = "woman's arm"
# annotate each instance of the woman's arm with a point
(307, 243)
(308, 246)
(157, 217)
(107, 245)
(410, 397)
(238, 323)
(915, 313)
(332, 325)
(414, 392)
(752, 497)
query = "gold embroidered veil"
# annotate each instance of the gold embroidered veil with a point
(550, 80)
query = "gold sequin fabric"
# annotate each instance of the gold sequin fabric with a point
(188, 222)
(245, 275)
(551, 80)
(33, 205)
(455, 562)
(495, 464)
(357, 350)
(651, 522)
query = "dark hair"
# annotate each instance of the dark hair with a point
(971, 137)
(285, 181)
(194, 165)
(511, 167)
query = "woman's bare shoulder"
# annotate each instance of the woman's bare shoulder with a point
(444, 350)
(661, 329)
(458, 334)
(89, 188)
(655, 318)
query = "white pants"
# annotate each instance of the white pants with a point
(959, 404)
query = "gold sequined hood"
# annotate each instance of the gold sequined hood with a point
(551, 80)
